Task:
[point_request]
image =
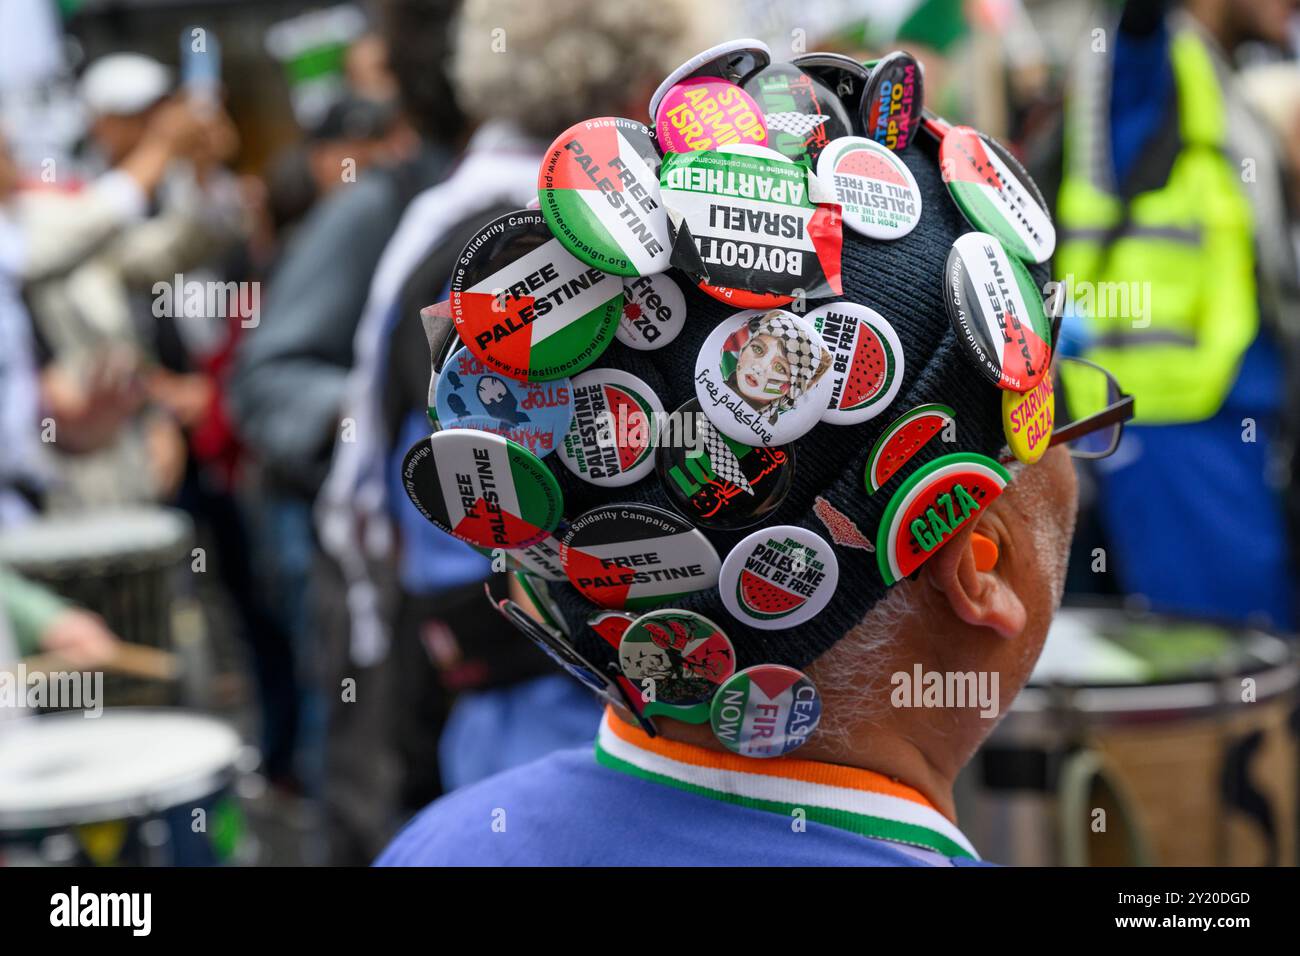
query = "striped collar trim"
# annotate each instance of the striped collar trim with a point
(859, 801)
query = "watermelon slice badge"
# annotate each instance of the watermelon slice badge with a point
(931, 506)
(867, 368)
(877, 193)
(615, 428)
(902, 440)
(778, 577)
(764, 600)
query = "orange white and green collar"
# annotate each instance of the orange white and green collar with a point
(859, 801)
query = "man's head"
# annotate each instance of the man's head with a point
(120, 93)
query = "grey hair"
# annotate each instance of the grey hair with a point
(548, 65)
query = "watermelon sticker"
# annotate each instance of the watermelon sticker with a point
(995, 194)
(707, 113)
(532, 414)
(614, 431)
(866, 361)
(526, 307)
(610, 625)
(801, 114)
(599, 191)
(482, 488)
(931, 506)
(1027, 420)
(902, 440)
(763, 378)
(629, 556)
(765, 711)
(762, 222)
(731, 61)
(677, 659)
(716, 481)
(877, 193)
(778, 577)
(997, 312)
(654, 312)
(892, 101)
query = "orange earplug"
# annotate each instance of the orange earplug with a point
(986, 552)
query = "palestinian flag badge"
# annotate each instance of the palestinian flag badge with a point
(765, 711)
(482, 488)
(599, 190)
(678, 657)
(526, 307)
(931, 506)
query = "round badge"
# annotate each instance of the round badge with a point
(532, 414)
(763, 378)
(765, 711)
(892, 101)
(525, 307)
(482, 488)
(540, 596)
(744, 299)
(903, 439)
(681, 655)
(707, 114)
(997, 312)
(628, 556)
(599, 191)
(731, 61)
(654, 312)
(802, 114)
(866, 361)
(995, 193)
(877, 193)
(610, 625)
(542, 560)
(612, 437)
(932, 505)
(716, 481)
(778, 577)
(1027, 420)
(845, 76)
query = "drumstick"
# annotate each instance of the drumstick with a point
(133, 660)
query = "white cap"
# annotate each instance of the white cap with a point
(123, 84)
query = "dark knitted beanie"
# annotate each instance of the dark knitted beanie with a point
(903, 280)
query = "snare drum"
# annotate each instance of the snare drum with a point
(1143, 740)
(130, 787)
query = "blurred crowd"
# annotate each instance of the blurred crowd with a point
(187, 321)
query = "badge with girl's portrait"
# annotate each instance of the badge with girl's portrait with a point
(762, 377)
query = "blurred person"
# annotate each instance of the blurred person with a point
(566, 62)
(34, 620)
(1175, 245)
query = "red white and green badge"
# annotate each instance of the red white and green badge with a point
(528, 308)
(903, 439)
(752, 219)
(931, 506)
(654, 312)
(778, 577)
(676, 659)
(996, 194)
(610, 625)
(542, 560)
(866, 361)
(877, 193)
(599, 190)
(482, 488)
(997, 312)
(615, 428)
(765, 711)
(630, 556)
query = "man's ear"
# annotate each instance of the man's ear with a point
(980, 598)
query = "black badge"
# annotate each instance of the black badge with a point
(802, 113)
(845, 76)
(891, 104)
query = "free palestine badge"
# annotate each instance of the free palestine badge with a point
(629, 556)
(778, 577)
(765, 711)
(541, 560)
(680, 658)
(877, 193)
(526, 307)
(752, 220)
(482, 488)
(612, 437)
(763, 378)
(866, 361)
(654, 312)
(995, 193)
(997, 312)
(471, 395)
(599, 191)
(931, 506)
